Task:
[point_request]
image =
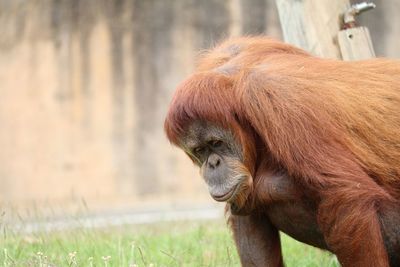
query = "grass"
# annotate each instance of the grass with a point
(165, 244)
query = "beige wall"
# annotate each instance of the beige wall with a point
(85, 86)
(84, 90)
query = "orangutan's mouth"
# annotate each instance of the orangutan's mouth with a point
(227, 196)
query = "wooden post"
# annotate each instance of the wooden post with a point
(355, 42)
(313, 24)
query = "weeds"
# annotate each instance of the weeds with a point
(194, 244)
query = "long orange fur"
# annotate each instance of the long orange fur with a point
(333, 125)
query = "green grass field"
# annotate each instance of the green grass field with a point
(165, 244)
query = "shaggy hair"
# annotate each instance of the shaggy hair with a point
(333, 125)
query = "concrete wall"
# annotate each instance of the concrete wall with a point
(84, 90)
(85, 85)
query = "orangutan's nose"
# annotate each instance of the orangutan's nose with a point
(213, 161)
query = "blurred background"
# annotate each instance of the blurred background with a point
(85, 85)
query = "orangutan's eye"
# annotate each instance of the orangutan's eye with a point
(198, 150)
(215, 143)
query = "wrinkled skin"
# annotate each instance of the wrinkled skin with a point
(220, 162)
(265, 202)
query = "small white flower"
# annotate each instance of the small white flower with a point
(106, 258)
